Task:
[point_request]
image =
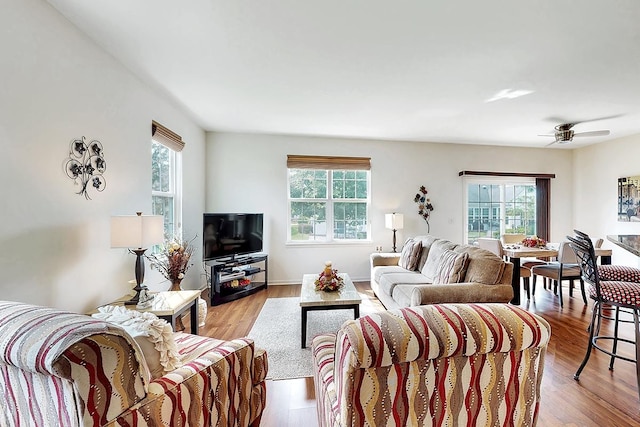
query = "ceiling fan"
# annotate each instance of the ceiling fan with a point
(564, 133)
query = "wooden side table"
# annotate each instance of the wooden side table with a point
(176, 304)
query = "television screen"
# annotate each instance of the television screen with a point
(231, 234)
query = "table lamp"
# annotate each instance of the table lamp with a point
(137, 233)
(394, 221)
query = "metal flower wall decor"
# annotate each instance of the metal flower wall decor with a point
(424, 205)
(86, 165)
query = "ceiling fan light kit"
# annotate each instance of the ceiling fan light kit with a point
(564, 133)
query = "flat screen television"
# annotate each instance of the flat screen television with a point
(231, 234)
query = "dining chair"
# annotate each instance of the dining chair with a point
(495, 246)
(564, 268)
(512, 238)
(623, 296)
(528, 263)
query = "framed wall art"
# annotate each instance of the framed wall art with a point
(629, 198)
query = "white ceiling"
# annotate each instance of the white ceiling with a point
(419, 70)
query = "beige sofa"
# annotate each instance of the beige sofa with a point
(442, 274)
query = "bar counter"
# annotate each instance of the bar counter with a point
(629, 242)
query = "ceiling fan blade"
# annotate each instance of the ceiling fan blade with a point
(593, 133)
(613, 116)
(550, 144)
(546, 134)
(556, 119)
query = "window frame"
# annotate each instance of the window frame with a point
(174, 193)
(329, 208)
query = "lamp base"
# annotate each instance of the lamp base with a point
(394, 240)
(136, 297)
(139, 276)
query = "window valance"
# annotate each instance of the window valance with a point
(328, 162)
(508, 174)
(166, 137)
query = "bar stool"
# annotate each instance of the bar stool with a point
(623, 297)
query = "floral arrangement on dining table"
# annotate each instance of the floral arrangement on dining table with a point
(328, 280)
(534, 242)
(173, 260)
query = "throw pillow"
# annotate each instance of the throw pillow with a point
(153, 335)
(483, 266)
(427, 242)
(452, 267)
(410, 254)
(430, 267)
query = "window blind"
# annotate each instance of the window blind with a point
(328, 162)
(166, 137)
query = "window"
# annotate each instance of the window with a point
(166, 173)
(498, 206)
(506, 202)
(328, 199)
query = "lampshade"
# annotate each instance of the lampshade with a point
(394, 221)
(136, 231)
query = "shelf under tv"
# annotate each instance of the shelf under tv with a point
(225, 271)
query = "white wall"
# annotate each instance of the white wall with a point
(596, 172)
(247, 172)
(56, 85)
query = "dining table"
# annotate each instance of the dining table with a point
(515, 252)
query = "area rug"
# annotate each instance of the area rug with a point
(277, 330)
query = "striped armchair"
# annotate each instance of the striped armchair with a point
(445, 365)
(67, 369)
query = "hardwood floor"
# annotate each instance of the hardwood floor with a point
(600, 398)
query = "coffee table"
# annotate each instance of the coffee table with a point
(310, 299)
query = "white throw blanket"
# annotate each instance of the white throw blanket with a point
(148, 325)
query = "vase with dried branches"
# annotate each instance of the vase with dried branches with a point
(173, 261)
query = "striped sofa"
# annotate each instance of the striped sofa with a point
(65, 369)
(440, 365)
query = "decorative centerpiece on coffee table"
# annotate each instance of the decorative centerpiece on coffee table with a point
(328, 280)
(534, 242)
